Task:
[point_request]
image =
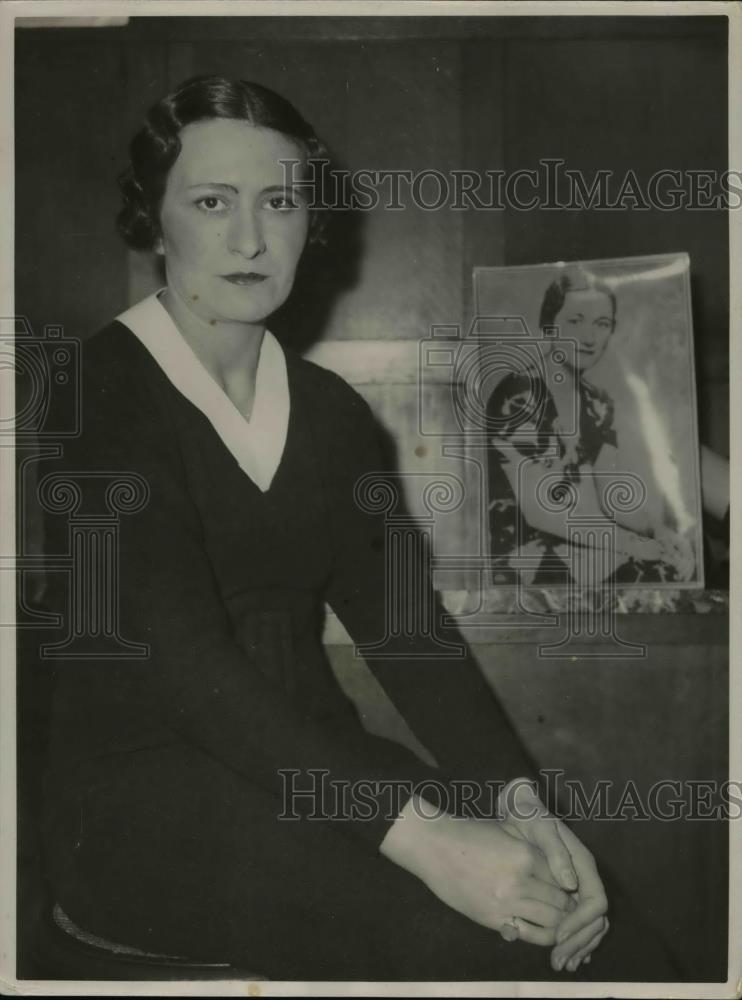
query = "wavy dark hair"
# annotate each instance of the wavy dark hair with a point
(573, 280)
(155, 148)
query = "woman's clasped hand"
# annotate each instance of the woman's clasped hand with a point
(524, 874)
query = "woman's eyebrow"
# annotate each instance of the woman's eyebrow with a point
(292, 189)
(214, 184)
(282, 189)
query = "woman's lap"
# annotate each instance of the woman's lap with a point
(177, 855)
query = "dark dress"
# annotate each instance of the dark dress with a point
(524, 399)
(163, 797)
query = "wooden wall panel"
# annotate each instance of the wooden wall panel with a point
(70, 264)
(629, 104)
(483, 87)
(404, 114)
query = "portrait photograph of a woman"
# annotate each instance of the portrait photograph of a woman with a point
(588, 412)
(235, 766)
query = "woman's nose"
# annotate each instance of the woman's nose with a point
(587, 336)
(246, 235)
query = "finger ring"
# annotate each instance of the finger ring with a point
(509, 930)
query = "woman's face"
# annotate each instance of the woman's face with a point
(586, 318)
(232, 232)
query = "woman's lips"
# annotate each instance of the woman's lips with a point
(245, 278)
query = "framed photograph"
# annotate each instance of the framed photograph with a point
(591, 430)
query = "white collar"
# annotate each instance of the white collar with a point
(257, 444)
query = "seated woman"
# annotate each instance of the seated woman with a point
(553, 436)
(168, 823)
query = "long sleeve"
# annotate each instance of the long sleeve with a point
(447, 702)
(198, 681)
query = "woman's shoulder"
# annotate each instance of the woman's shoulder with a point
(599, 405)
(593, 391)
(114, 353)
(116, 364)
(122, 388)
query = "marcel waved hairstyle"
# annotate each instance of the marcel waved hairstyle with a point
(573, 280)
(155, 148)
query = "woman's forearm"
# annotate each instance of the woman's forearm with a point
(533, 480)
(584, 502)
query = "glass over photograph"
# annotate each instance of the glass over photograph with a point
(591, 409)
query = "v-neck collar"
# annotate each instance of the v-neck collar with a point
(256, 444)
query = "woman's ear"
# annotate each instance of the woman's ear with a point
(159, 247)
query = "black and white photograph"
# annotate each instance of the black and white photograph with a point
(366, 523)
(593, 394)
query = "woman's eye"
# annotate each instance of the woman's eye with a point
(211, 204)
(282, 203)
